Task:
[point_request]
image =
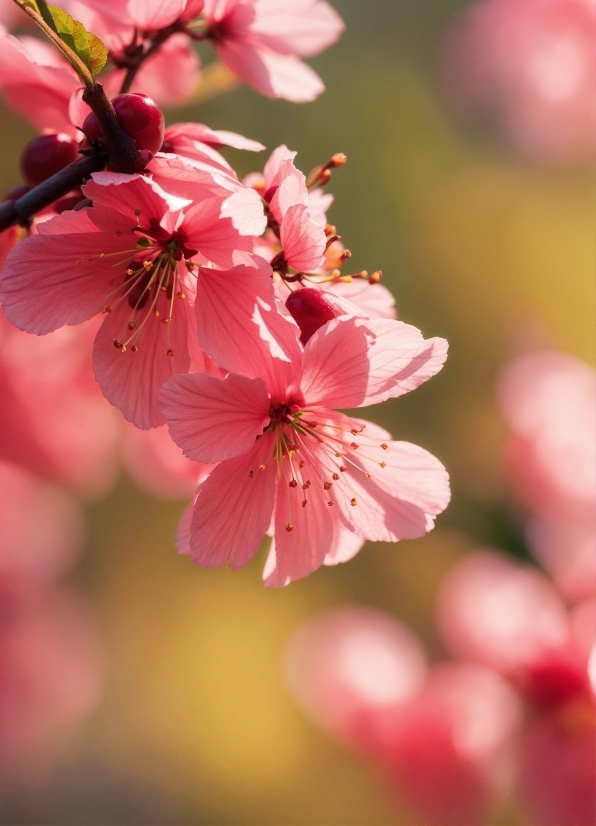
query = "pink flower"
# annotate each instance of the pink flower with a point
(54, 420)
(286, 454)
(530, 66)
(37, 82)
(130, 255)
(567, 550)
(260, 40)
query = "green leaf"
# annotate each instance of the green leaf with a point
(88, 47)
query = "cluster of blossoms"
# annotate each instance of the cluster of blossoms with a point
(528, 69)
(219, 306)
(507, 722)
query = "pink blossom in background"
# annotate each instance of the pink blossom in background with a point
(286, 454)
(262, 40)
(41, 528)
(450, 749)
(549, 401)
(567, 550)
(51, 666)
(37, 83)
(530, 67)
(158, 466)
(54, 420)
(497, 613)
(351, 668)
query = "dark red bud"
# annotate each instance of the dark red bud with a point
(310, 310)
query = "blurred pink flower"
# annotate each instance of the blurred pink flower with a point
(567, 550)
(283, 449)
(41, 528)
(549, 401)
(37, 82)
(449, 751)
(51, 666)
(54, 420)
(351, 668)
(529, 65)
(157, 465)
(262, 40)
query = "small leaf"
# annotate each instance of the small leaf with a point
(86, 46)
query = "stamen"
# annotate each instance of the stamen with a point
(289, 527)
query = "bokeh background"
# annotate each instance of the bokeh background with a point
(493, 252)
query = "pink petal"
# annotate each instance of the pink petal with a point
(272, 169)
(302, 240)
(291, 190)
(345, 546)
(172, 75)
(215, 237)
(213, 420)
(233, 509)
(398, 501)
(373, 300)
(212, 137)
(356, 362)
(305, 27)
(58, 276)
(154, 14)
(245, 209)
(130, 381)
(301, 550)
(273, 75)
(240, 327)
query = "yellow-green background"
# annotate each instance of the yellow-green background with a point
(490, 252)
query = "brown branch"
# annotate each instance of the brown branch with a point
(54, 188)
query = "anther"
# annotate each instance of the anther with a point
(368, 475)
(330, 504)
(301, 463)
(131, 325)
(306, 485)
(354, 446)
(107, 309)
(156, 313)
(339, 455)
(343, 468)
(170, 353)
(289, 528)
(166, 320)
(383, 464)
(384, 446)
(293, 484)
(134, 348)
(304, 503)
(353, 502)
(181, 295)
(251, 474)
(354, 431)
(117, 344)
(327, 485)
(261, 467)
(335, 476)
(375, 277)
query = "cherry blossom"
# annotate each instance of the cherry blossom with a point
(285, 453)
(133, 254)
(262, 40)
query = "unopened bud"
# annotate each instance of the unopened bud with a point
(310, 310)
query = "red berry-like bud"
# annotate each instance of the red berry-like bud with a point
(140, 117)
(310, 310)
(46, 155)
